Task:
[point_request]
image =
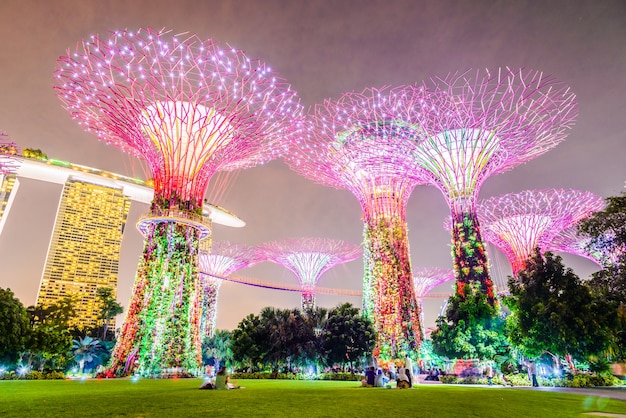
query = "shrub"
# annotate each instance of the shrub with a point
(448, 379)
(592, 380)
(518, 379)
(341, 376)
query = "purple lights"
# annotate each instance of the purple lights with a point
(308, 259)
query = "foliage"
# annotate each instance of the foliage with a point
(36, 154)
(217, 349)
(341, 376)
(470, 257)
(348, 336)
(592, 380)
(33, 375)
(109, 308)
(14, 326)
(86, 350)
(553, 311)
(471, 328)
(607, 232)
(50, 339)
(287, 339)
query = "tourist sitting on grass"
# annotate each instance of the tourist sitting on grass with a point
(222, 380)
(381, 380)
(370, 377)
(402, 380)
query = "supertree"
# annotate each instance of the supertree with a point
(8, 149)
(308, 259)
(220, 261)
(517, 223)
(574, 241)
(190, 108)
(483, 124)
(358, 143)
(427, 278)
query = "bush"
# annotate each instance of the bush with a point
(449, 379)
(518, 379)
(592, 380)
(341, 376)
(33, 375)
(298, 376)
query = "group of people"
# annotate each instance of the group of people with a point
(222, 381)
(376, 377)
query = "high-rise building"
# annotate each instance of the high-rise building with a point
(83, 255)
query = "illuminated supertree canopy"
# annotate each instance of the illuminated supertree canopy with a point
(573, 241)
(517, 223)
(308, 259)
(426, 279)
(358, 143)
(190, 108)
(8, 149)
(483, 124)
(219, 262)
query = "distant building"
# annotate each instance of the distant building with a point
(84, 250)
(8, 183)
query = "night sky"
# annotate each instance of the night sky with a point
(322, 48)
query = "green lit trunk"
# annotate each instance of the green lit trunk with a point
(469, 254)
(389, 297)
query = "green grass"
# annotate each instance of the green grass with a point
(284, 398)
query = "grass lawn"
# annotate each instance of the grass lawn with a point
(284, 398)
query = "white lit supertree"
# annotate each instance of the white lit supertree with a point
(308, 259)
(426, 279)
(361, 143)
(190, 108)
(481, 124)
(517, 223)
(219, 262)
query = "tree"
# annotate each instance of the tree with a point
(553, 311)
(472, 328)
(248, 342)
(86, 350)
(109, 308)
(50, 339)
(217, 349)
(34, 153)
(348, 336)
(14, 326)
(607, 232)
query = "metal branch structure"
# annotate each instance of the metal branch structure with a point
(8, 151)
(573, 241)
(426, 279)
(481, 124)
(221, 260)
(359, 143)
(517, 223)
(308, 259)
(190, 108)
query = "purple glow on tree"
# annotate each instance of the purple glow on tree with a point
(8, 149)
(308, 259)
(222, 260)
(483, 124)
(190, 108)
(517, 223)
(426, 279)
(572, 241)
(359, 143)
